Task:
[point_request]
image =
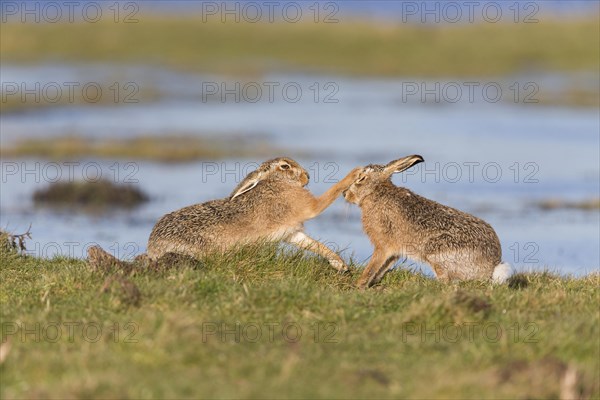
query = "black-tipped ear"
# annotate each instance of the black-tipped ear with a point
(247, 184)
(402, 164)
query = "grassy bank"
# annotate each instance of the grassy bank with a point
(347, 47)
(191, 330)
(166, 148)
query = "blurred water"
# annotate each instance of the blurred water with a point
(491, 159)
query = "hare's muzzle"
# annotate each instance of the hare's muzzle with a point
(304, 178)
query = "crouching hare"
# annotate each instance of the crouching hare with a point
(401, 223)
(270, 204)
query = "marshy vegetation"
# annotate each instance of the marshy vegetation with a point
(165, 148)
(251, 50)
(458, 50)
(89, 195)
(557, 204)
(16, 101)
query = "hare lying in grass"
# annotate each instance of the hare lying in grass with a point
(401, 223)
(270, 204)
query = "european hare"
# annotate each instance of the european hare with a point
(401, 223)
(270, 204)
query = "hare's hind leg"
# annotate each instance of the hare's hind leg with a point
(453, 265)
(439, 271)
(385, 268)
(376, 268)
(305, 242)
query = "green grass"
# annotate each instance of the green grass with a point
(348, 47)
(370, 344)
(166, 148)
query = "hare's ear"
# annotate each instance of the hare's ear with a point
(402, 164)
(247, 184)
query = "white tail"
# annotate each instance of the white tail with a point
(502, 272)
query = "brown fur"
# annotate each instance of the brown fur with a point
(401, 223)
(270, 204)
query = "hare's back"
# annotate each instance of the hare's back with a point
(450, 229)
(194, 230)
(425, 213)
(408, 215)
(195, 219)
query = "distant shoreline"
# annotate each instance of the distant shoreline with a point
(348, 48)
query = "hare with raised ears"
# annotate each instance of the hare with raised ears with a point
(270, 204)
(401, 223)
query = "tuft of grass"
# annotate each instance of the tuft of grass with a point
(349, 47)
(165, 148)
(11, 243)
(7, 244)
(90, 195)
(191, 329)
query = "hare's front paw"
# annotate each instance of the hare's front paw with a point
(339, 265)
(354, 174)
(362, 285)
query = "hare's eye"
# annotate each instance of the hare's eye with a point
(285, 166)
(362, 178)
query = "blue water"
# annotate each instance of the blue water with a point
(491, 159)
